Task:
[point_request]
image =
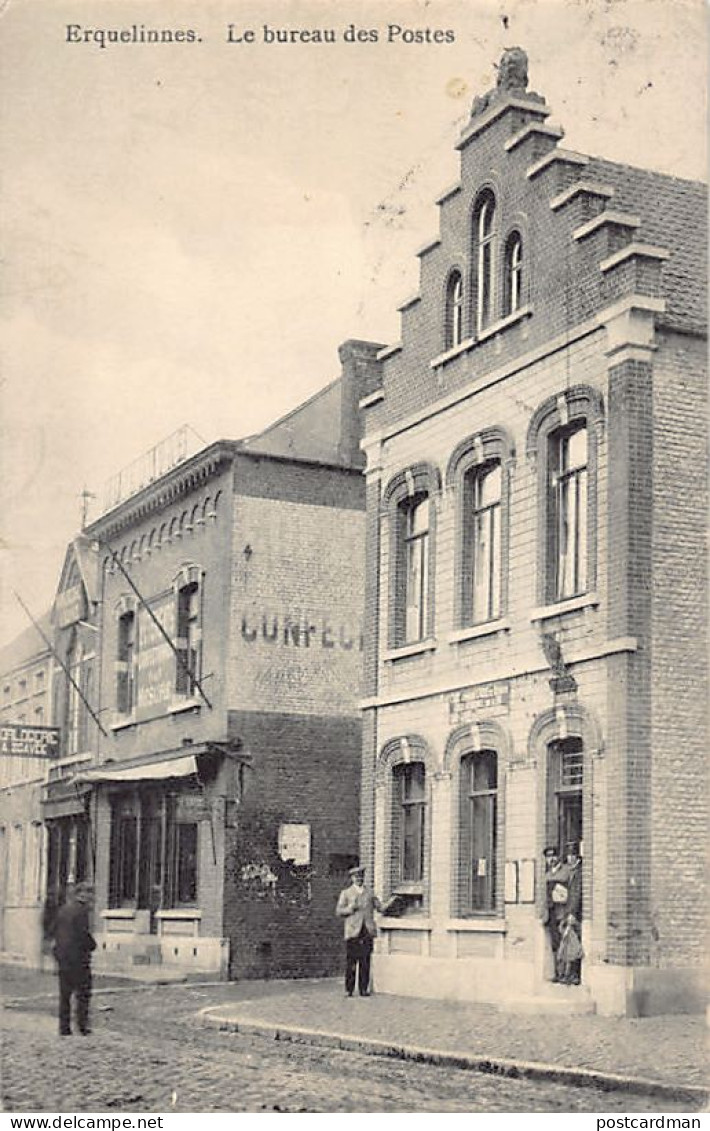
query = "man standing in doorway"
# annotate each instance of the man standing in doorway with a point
(73, 944)
(357, 905)
(573, 906)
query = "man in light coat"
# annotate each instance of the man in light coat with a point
(356, 906)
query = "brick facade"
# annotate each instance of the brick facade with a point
(606, 337)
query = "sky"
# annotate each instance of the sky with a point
(190, 230)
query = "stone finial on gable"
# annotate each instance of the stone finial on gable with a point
(513, 70)
(511, 82)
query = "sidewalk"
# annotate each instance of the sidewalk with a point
(670, 1051)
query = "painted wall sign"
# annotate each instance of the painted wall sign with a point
(295, 843)
(70, 606)
(298, 630)
(29, 742)
(156, 659)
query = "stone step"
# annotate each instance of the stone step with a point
(553, 998)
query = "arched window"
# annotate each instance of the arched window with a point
(513, 274)
(403, 798)
(484, 229)
(478, 475)
(454, 311)
(415, 524)
(567, 510)
(188, 592)
(408, 501)
(483, 530)
(126, 658)
(563, 439)
(478, 832)
(408, 823)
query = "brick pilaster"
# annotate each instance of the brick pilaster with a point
(629, 689)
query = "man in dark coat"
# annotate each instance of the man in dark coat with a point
(573, 905)
(556, 876)
(73, 944)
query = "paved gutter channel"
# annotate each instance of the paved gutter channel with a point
(498, 1066)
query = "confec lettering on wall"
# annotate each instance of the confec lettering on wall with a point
(298, 630)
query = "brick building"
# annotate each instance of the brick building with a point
(26, 682)
(536, 586)
(221, 801)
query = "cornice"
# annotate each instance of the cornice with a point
(182, 480)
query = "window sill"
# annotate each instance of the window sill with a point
(408, 923)
(474, 631)
(119, 913)
(483, 926)
(179, 913)
(504, 323)
(547, 612)
(417, 649)
(185, 704)
(121, 722)
(450, 354)
(409, 887)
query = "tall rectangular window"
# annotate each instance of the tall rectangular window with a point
(184, 863)
(409, 820)
(484, 539)
(79, 693)
(416, 568)
(124, 852)
(189, 637)
(478, 830)
(485, 259)
(126, 663)
(567, 771)
(567, 514)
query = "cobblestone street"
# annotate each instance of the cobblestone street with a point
(149, 1053)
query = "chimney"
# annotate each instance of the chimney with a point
(359, 375)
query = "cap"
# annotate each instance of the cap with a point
(357, 870)
(550, 850)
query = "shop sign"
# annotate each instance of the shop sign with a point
(156, 659)
(295, 843)
(29, 742)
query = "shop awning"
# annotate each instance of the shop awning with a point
(149, 771)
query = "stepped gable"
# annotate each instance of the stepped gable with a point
(595, 233)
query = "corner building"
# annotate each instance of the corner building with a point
(536, 586)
